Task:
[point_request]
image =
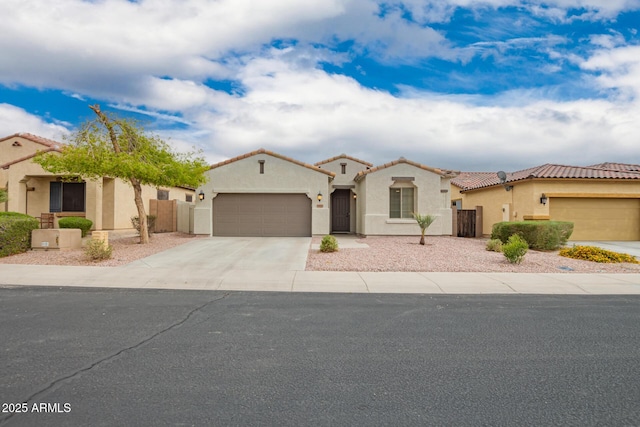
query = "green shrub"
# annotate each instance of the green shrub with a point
(595, 254)
(15, 232)
(14, 215)
(328, 244)
(151, 222)
(76, 222)
(515, 249)
(494, 245)
(98, 250)
(540, 235)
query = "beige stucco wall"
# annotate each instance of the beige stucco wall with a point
(20, 176)
(280, 176)
(523, 201)
(120, 200)
(10, 153)
(352, 168)
(373, 202)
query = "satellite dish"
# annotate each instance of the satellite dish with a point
(502, 176)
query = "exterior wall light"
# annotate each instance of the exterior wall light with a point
(355, 196)
(544, 199)
(201, 195)
(319, 196)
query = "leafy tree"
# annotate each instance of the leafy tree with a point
(424, 221)
(119, 148)
(3, 196)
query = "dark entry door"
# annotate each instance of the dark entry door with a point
(340, 211)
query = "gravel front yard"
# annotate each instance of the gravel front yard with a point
(443, 253)
(125, 250)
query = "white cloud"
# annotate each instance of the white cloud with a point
(312, 115)
(619, 69)
(153, 57)
(431, 11)
(16, 120)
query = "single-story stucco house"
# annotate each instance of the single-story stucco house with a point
(107, 202)
(263, 193)
(602, 200)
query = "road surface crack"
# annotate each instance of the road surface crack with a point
(53, 384)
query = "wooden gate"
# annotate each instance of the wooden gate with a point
(166, 213)
(466, 223)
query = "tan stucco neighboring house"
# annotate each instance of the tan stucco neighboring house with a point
(107, 202)
(263, 193)
(603, 200)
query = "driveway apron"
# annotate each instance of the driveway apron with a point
(233, 253)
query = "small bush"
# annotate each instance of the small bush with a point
(98, 250)
(151, 222)
(515, 249)
(540, 235)
(76, 222)
(494, 245)
(15, 232)
(328, 244)
(595, 254)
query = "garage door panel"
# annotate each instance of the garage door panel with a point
(262, 215)
(599, 219)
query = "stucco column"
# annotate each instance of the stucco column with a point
(93, 203)
(203, 215)
(18, 196)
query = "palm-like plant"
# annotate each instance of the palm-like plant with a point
(424, 221)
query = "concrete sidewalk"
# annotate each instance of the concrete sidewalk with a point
(189, 277)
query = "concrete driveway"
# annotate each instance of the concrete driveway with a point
(233, 253)
(630, 247)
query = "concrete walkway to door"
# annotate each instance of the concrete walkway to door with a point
(233, 253)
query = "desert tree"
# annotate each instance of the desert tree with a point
(114, 147)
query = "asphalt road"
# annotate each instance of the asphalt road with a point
(152, 357)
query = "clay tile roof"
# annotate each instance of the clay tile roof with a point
(487, 179)
(37, 139)
(617, 167)
(471, 179)
(271, 153)
(344, 156)
(445, 173)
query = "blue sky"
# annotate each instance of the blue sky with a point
(457, 84)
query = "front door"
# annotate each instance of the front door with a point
(340, 211)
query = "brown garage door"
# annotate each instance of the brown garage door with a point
(599, 219)
(287, 215)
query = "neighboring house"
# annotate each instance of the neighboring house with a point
(263, 193)
(107, 202)
(603, 200)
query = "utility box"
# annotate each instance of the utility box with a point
(56, 238)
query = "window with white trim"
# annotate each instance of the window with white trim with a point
(401, 202)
